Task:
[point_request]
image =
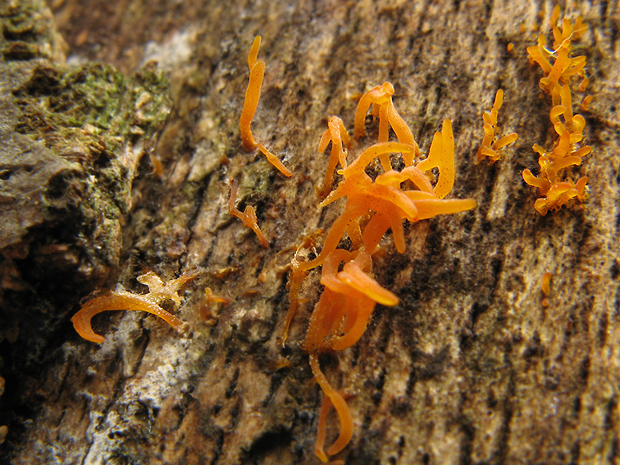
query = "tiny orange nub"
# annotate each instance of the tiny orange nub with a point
(545, 283)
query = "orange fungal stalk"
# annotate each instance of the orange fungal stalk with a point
(339, 137)
(159, 291)
(252, 96)
(545, 283)
(248, 217)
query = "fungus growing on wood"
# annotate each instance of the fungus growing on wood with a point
(206, 310)
(380, 98)
(373, 206)
(545, 283)
(490, 144)
(252, 96)
(339, 137)
(555, 188)
(248, 217)
(159, 292)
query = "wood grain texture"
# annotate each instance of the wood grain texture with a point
(469, 368)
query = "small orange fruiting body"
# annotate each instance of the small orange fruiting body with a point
(341, 141)
(159, 291)
(545, 283)
(248, 217)
(206, 312)
(252, 96)
(490, 144)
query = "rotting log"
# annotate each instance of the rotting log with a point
(470, 367)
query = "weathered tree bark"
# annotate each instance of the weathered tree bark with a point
(470, 367)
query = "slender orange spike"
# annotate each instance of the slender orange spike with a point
(488, 148)
(532, 180)
(562, 62)
(295, 282)
(250, 104)
(384, 136)
(580, 185)
(377, 95)
(334, 133)
(344, 414)
(428, 208)
(252, 96)
(319, 448)
(545, 284)
(335, 235)
(536, 55)
(373, 232)
(585, 104)
(504, 141)
(403, 133)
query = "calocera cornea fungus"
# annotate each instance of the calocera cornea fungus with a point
(545, 284)
(159, 291)
(339, 137)
(248, 217)
(380, 98)
(252, 96)
(373, 206)
(557, 190)
(490, 144)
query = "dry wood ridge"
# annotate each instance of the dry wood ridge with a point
(468, 368)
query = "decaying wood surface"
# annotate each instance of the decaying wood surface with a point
(469, 368)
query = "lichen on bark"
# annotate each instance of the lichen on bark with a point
(71, 142)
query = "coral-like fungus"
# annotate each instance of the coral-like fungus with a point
(252, 96)
(564, 66)
(159, 292)
(373, 206)
(248, 216)
(567, 151)
(338, 135)
(490, 144)
(380, 97)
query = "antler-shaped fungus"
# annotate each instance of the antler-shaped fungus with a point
(490, 146)
(372, 207)
(556, 191)
(248, 217)
(338, 135)
(159, 291)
